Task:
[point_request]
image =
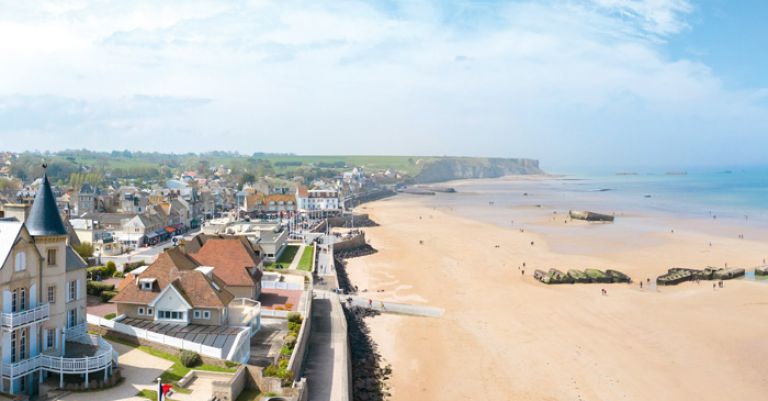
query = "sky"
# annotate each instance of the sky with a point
(568, 82)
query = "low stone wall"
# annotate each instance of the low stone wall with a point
(230, 389)
(295, 364)
(357, 241)
(254, 379)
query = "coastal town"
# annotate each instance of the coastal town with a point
(217, 276)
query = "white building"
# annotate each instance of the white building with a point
(317, 199)
(43, 285)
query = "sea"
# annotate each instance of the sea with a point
(729, 193)
(717, 202)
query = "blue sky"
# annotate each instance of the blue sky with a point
(570, 82)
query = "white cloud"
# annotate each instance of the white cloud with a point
(538, 78)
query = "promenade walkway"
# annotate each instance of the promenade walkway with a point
(394, 307)
(327, 366)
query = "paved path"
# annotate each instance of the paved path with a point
(296, 258)
(139, 370)
(327, 365)
(395, 307)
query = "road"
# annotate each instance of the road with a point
(148, 254)
(327, 366)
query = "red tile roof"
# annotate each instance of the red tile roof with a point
(231, 259)
(177, 268)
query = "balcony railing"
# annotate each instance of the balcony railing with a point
(59, 364)
(12, 321)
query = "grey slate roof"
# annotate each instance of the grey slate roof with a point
(44, 218)
(74, 261)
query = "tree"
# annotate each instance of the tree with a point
(84, 249)
(247, 178)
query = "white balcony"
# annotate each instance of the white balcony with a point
(15, 320)
(84, 354)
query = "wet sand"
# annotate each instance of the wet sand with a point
(505, 336)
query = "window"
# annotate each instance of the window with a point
(206, 314)
(13, 346)
(52, 257)
(171, 315)
(52, 294)
(72, 290)
(150, 312)
(49, 338)
(21, 261)
(197, 314)
(14, 301)
(72, 318)
(141, 311)
(23, 344)
(23, 298)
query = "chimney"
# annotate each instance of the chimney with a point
(18, 210)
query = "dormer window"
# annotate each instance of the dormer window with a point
(147, 284)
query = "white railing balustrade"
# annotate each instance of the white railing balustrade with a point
(11, 321)
(60, 364)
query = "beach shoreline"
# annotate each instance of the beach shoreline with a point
(506, 336)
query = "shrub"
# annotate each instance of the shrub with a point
(99, 271)
(290, 341)
(107, 295)
(294, 328)
(96, 288)
(84, 249)
(111, 268)
(127, 267)
(189, 359)
(280, 371)
(286, 351)
(118, 275)
(110, 316)
(294, 317)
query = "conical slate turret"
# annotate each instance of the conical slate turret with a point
(44, 218)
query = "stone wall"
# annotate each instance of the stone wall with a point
(230, 389)
(296, 362)
(357, 241)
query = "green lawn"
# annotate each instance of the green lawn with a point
(288, 254)
(305, 263)
(177, 370)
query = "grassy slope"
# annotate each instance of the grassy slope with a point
(305, 263)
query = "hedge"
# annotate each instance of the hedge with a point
(107, 295)
(96, 288)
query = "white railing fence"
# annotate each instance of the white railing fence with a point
(281, 285)
(158, 338)
(37, 314)
(60, 364)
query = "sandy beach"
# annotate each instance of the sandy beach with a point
(505, 336)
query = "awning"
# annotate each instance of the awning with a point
(160, 232)
(170, 230)
(152, 235)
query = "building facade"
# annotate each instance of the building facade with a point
(43, 284)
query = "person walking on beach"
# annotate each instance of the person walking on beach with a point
(641, 284)
(370, 303)
(604, 292)
(522, 272)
